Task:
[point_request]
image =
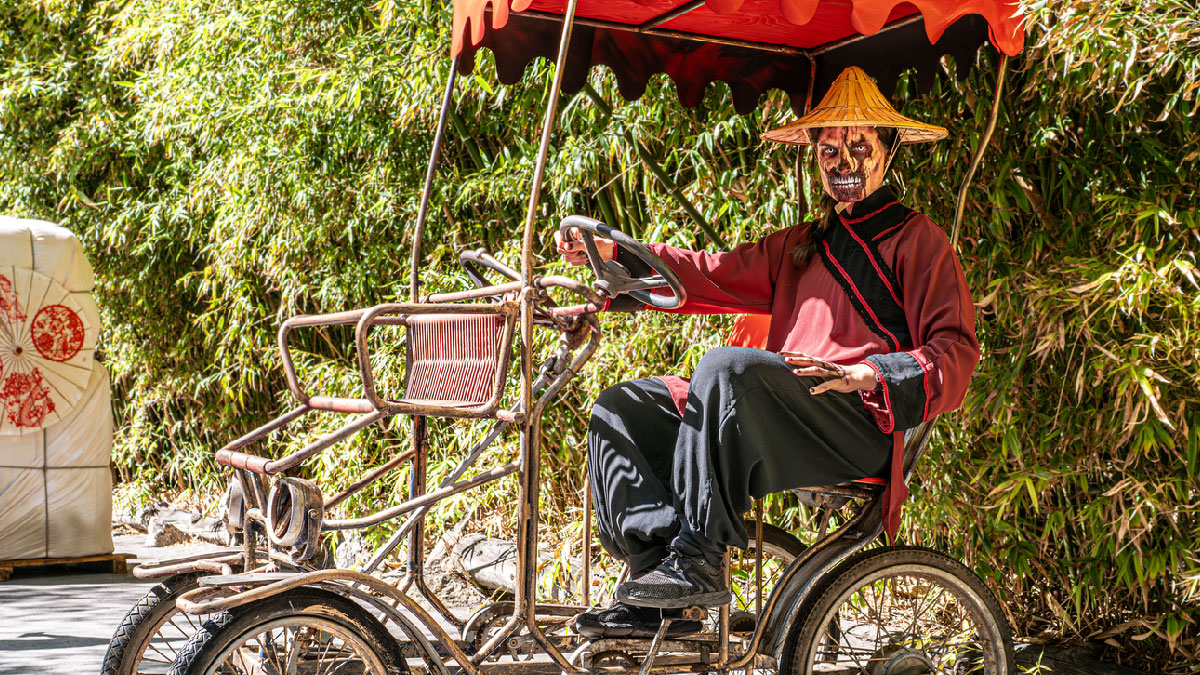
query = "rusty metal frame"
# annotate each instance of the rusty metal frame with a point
(435, 154)
(691, 655)
(394, 314)
(524, 297)
(551, 387)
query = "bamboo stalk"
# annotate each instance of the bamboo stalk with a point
(659, 173)
(460, 127)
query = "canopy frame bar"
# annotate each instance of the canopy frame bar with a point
(836, 44)
(672, 15)
(652, 28)
(529, 480)
(439, 139)
(676, 34)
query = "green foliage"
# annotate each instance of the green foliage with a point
(229, 164)
(1077, 442)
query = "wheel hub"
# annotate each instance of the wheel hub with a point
(897, 660)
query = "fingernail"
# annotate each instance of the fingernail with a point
(812, 390)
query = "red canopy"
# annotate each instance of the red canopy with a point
(807, 24)
(753, 45)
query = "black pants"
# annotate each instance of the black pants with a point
(750, 428)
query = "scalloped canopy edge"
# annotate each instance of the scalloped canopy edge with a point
(790, 22)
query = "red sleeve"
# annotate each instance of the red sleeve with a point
(932, 377)
(740, 281)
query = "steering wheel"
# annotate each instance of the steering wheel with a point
(613, 278)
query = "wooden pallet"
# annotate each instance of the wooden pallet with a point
(112, 561)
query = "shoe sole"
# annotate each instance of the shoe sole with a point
(713, 599)
(634, 633)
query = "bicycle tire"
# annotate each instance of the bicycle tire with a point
(212, 649)
(778, 542)
(860, 583)
(145, 621)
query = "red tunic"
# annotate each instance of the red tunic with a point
(813, 313)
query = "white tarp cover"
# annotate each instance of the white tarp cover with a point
(55, 481)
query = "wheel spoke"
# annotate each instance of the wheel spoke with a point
(341, 639)
(919, 601)
(267, 653)
(844, 647)
(278, 657)
(288, 653)
(877, 613)
(156, 650)
(324, 651)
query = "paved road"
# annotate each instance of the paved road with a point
(58, 622)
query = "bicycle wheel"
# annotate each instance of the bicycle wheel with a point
(903, 611)
(307, 630)
(152, 632)
(779, 550)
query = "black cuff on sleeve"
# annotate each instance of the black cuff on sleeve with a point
(904, 382)
(629, 261)
(624, 303)
(638, 270)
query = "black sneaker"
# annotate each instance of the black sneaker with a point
(627, 621)
(676, 583)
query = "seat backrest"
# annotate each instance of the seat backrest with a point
(749, 330)
(454, 359)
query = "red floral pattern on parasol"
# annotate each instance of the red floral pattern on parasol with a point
(26, 399)
(57, 332)
(46, 346)
(9, 304)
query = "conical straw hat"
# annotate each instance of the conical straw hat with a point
(854, 101)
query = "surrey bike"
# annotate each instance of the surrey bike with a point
(835, 604)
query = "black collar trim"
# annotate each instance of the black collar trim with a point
(883, 214)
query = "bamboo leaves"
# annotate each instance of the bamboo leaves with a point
(231, 164)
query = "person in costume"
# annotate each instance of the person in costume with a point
(871, 333)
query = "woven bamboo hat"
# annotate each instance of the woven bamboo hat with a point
(854, 101)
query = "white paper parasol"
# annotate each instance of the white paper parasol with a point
(47, 342)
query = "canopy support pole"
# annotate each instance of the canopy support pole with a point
(812, 82)
(830, 46)
(529, 488)
(802, 182)
(975, 160)
(423, 213)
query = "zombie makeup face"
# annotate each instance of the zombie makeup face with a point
(852, 162)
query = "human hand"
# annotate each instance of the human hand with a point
(573, 250)
(845, 379)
